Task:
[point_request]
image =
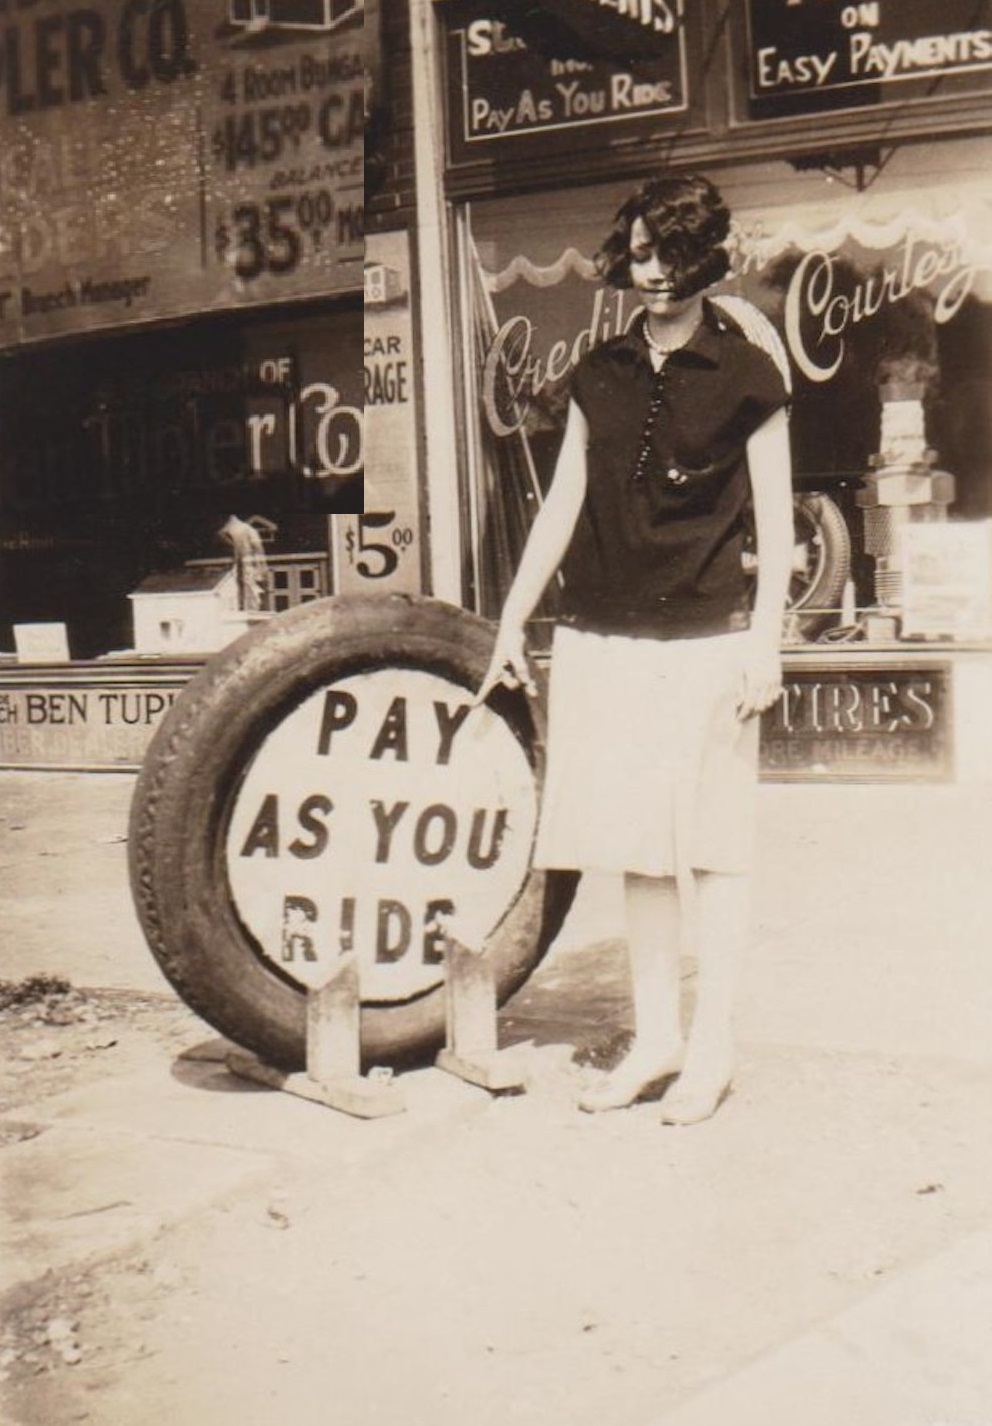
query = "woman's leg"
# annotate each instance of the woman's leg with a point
(654, 935)
(654, 946)
(722, 904)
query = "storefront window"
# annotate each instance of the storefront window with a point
(881, 297)
(124, 458)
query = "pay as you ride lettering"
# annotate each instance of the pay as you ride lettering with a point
(382, 822)
(432, 833)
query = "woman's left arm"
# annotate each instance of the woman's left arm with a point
(770, 463)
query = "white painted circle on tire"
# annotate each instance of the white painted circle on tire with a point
(379, 813)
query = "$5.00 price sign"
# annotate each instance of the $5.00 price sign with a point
(375, 545)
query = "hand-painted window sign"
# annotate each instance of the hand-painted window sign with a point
(501, 91)
(591, 29)
(163, 158)
(657, 16)
(814, 47)
(382, 813)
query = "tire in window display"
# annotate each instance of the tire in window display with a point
(821, 564)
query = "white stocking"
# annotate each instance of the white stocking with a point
(654, 935)
(722, 903)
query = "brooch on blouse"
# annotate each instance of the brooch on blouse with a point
(673, 475)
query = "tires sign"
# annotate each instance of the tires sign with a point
(381, 815)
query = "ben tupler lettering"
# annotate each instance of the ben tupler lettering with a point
(55, 708)
(106, 707)
(63, 720)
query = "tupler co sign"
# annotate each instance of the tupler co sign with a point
(325, 786)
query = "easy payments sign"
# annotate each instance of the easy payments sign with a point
(382, 814)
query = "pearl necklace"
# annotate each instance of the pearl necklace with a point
(658, 349)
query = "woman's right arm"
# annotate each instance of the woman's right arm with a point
(547, 542)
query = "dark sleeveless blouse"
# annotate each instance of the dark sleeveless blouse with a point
(657, 549)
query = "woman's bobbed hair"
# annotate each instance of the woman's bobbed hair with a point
(688, 222)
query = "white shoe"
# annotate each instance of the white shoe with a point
(625, 1086)
(685, 1107)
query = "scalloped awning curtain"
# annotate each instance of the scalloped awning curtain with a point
(588, 29)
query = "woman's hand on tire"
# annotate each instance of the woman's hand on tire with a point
(508, 666)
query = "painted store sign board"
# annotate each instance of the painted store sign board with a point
(381, 548)
(817, 47)
(860, 723)
(78, 719)
(161, 160)
(504, 97)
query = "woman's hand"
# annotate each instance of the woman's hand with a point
(508, 665)
(761, 676)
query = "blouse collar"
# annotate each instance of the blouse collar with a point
(703, 347)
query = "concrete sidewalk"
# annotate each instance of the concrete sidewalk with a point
(117, 1162)
(913, 1353)
(864, 1022)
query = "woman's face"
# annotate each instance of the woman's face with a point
(650, 277)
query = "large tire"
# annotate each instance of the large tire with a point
(189, 783)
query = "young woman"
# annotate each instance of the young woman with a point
(662, 658)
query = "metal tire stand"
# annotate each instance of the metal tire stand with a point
(471, 1051)
(333, 1054)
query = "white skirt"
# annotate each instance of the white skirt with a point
(649, 769)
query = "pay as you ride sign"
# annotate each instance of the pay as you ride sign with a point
(325, 786)
(381, 815)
